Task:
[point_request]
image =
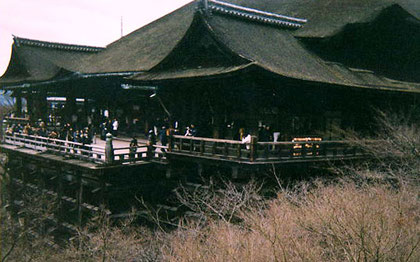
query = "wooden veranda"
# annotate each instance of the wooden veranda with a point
(187, 148)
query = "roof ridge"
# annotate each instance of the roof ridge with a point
(254, 14)
(70, 47)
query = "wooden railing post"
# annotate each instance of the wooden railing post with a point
(266, 151)
(191, 145)
(239, 153)
(202, 147)
(303, 150)
(292, 151)
(170, 140)
(226, 149)
(214, 148)
(4, 129)
(181, 144)
(314, 149)
(150, 150)
(324, 149)
(109, 149)
(253, 147)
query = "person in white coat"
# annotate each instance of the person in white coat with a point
(115, 127)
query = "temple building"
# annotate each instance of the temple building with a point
(230, 70)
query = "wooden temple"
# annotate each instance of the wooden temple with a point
(300, 67)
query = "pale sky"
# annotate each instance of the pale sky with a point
(85, 22)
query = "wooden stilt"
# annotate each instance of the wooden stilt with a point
(79, 199)
(200, 169)
(60, 194)
(235, 171)
(168, 172)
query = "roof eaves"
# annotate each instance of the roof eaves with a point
(255, 15)
(73, 76)
(67, 47)
(386, 85)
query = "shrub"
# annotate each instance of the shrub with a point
(331, 223)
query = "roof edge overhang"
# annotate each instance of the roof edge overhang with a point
(21, 76)
(352, 85)
(156, 78)
(254, 15)
(18, 41)
(191, 73)
(72, 77)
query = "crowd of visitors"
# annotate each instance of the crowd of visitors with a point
(67, 132)
(86, 135)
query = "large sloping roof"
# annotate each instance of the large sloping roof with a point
(280, 51)
(34, 60)
(327, 17)
(277, 49)
(144, 48)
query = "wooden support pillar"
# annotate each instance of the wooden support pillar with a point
(70, 109)
(10, 185)
(42, 105)
(60, 194)
(29, 107)
(168, 172)
(79, 199)
(18, 104)
(40, 177)
(199, 169)
(103, 199)
(235, 172)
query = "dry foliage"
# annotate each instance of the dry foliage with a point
(395, 149)
(101, 241)
(219, 200)
(332, 223)
(27, 235)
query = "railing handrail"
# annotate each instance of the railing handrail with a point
(86, 151)
(55, 140)
(16, 118)
(128, 148)
(58, 146)
(303, 142)
(216, 140)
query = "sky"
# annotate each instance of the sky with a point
(83, 22)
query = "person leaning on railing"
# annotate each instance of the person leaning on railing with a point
(247, 141)
(133, 149)
(27, 129)
(9, 130)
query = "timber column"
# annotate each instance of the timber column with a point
(109, 150)
(41, 106)
(29, 107)
(70, 109)
(18, 104)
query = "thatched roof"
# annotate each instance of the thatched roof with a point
(144, 48)
(193, 73)
(327, 17)
(280, 51)
(274, 35)
(34, 60)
